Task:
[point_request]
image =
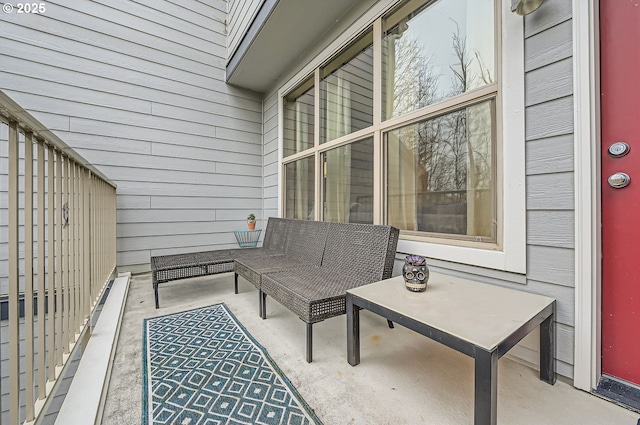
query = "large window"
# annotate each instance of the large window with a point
(440, 174)
(408, 127)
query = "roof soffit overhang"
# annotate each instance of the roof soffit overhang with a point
(281, 33)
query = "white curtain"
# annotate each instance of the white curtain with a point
(479, 170)
(304, 193)
(338, 161)
(401, 171)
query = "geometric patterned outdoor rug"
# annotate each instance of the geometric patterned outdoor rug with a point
(202, 367)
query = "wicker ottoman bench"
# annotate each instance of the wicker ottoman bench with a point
(167, 268)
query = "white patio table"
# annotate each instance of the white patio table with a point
(480, 320)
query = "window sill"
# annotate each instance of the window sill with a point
(509, 261)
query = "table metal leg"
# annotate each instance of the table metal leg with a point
(547, 350)
(486, 387)
(235, 281)
(353, 332)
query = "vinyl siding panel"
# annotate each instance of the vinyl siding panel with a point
(548, 119)
(551, 265)
(137, 217)
(550, 191)
(551, 228)
(82, 75)
(550, 155)
(554, 13)
(549, 169)
(556, 78)
(549, 46)
(565, 307)
(271, 165)
(241, 15)
(138, 88)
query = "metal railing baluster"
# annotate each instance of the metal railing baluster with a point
(61, 243)
(42, 379)
(14, 276)
(28, 275)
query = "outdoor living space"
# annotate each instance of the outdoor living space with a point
(403, 378)
(492, 136)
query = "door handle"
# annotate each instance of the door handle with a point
(619, 180)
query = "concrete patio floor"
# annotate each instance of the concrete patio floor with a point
(404, 378)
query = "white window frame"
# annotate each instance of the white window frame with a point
(510, 255)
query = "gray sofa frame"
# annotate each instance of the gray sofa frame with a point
(307, 266)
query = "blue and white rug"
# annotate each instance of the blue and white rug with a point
(202, 367)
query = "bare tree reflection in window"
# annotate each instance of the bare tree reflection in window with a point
(453, 172)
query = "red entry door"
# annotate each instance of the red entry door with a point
(620, 103)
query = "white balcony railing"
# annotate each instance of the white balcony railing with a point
(57, 254)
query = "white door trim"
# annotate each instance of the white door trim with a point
(587, 193)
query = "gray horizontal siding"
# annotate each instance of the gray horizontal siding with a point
(270, 160)
(565, 307)
(548, 119)
(549, 168)
(241, 14)
(551, 265)
(557, 78)
(551, 45)
(550, 155)
(550, 191)
(553, 13)
(551, 228)
(138, 89)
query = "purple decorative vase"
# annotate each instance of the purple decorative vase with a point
(416, 273)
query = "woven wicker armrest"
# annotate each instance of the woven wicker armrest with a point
(365, 250)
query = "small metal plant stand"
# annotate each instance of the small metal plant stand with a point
(247, 238)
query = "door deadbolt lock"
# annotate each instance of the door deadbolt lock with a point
(619, 149)
(619, 180)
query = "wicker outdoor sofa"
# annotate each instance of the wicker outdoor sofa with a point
(307, 266)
